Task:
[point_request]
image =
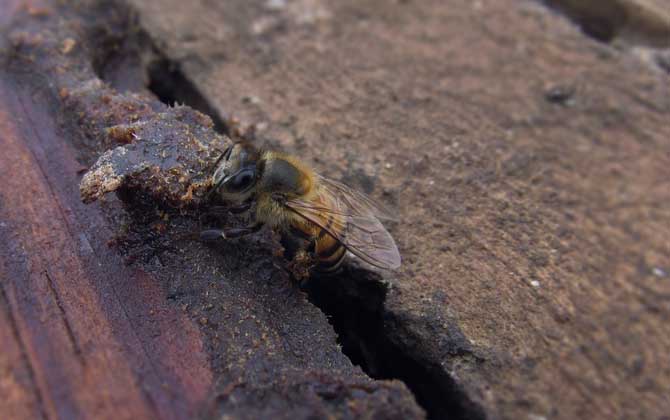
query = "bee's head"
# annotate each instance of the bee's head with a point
(236, 172)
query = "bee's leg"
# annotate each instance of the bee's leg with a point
(225, 209)
(216, 210)
(241, 208)
(212, 235)
(302, 265)
(298, 249)
(237, 232)
(217, 234)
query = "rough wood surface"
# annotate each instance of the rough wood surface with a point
(529, 165)
(98, 338)
(539, 226)
(101, 321)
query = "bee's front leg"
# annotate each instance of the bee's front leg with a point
(217, 210)
(210, 235)
(242, 208)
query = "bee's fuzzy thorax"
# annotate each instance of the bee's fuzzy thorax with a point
(307, 178)
(270, 212)
(298, 179)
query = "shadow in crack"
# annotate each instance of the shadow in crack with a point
(354, 300)
(638, 23)
(171, 86)
(128, 60)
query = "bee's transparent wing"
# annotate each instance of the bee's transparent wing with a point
(355, 201)
(351, 221)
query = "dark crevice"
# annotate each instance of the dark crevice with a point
(663, 61)
(603, 28)
(118, 55)
(607, 21)
(354, 304)
(131, 62)
(602, 24)
(172, 87)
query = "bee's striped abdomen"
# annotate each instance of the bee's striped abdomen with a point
(328, 250)
(330, 253)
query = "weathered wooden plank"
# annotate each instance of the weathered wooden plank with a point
(121, 313)
(527, 162)
(528, 165)
(93, 353)
(21, 399)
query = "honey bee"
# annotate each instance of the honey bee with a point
(291, 198)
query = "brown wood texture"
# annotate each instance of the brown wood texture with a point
(81, 324)
(96, 322)
(528, 163)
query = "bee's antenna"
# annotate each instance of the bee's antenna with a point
(214, 189)
(225, 155)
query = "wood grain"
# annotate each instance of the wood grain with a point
(68, 302)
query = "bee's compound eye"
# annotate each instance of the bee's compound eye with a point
(242, 181)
